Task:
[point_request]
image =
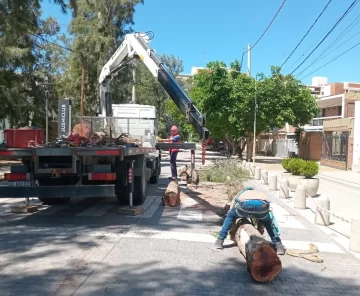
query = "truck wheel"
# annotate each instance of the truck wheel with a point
(155, 178)
(54, 201)
(140, 186)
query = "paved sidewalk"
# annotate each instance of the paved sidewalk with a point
(341, 187)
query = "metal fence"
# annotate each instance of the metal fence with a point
(335, 147)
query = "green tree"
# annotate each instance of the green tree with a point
(98, 30)
(23, 58)
(228, 99)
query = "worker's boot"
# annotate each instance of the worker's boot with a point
(219, 244)
(280, 249)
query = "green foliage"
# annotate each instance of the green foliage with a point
(295, 165)
(228, 99)
(309, 169)
(223, 171)
(97, 31)
(228, 172)
(285, 164)
(24, 60)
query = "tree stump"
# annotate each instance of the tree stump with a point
(172, 194)
(262, 260)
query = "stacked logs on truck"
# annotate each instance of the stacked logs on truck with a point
(185, 175)
(171, 196)
(261, 257)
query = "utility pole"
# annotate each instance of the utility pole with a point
(255, 111)
(133, 94)
(82, 100)
(249, 60)
(46, 109)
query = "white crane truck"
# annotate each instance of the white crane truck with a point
(55, 175)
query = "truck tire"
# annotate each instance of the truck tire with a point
(140, 186)
(155, 178)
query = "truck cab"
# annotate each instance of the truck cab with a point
(140, 122)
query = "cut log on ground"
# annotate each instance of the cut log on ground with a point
(172, 194)
(195, 177)
(262, 260)
(189, 178)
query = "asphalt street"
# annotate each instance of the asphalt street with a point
(87, 248)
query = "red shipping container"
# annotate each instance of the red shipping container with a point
(18, 138)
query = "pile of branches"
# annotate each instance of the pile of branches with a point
(93, 140)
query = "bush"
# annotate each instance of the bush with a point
(295, 165)
(228, 172)
(285, 164)
(309, 169)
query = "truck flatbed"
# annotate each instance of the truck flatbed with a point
(121, 151)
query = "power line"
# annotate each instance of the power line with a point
(357, 44)
(317, 40)
(331, 30)
(340, 36)
(319, 59)
(54, 43)
(308, 31)
(262, 35)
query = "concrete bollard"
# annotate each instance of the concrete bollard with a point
(244, 163)
(284, 188)
(264, 179)
(257, 173)
(322, 218)
(300, 197)
(252, 169)
(272, 182)
(247, 165)
(355, 234)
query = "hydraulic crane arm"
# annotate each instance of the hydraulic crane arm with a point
(136, 46)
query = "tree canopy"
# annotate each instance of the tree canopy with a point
(227, 97)
(35, 58)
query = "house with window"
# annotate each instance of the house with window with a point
(328, 138)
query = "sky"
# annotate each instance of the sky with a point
(200, 31)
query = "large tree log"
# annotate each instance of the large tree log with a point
(172, 194)
(262, 260)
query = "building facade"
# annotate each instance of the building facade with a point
(329, 137)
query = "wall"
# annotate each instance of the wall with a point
(332, 111)
(337, 88)
(310, 146)
(341, 165)
(356, 144)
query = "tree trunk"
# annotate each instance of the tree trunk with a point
(240, 147)
(262, 260)
(172, 194)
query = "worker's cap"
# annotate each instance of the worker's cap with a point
(174, 128)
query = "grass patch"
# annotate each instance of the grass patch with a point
(227, 171)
